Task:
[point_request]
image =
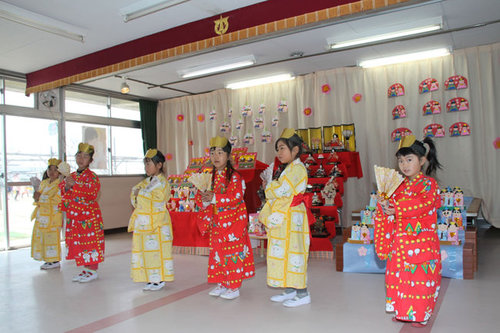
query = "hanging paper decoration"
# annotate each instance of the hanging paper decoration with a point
(213, 114)
(431, 107)
(434, 131)
(239, 123)
(230, 113)
(428, 85)
(460, 129)
(496, 143)
(246, 111)
(457, 104)
(180, 117)
(190, 142)
(266, 137)
(207, 151)
(398, 133)
(169, 156)
(283, 106)
(233, 140)
(258, 123)
(399, 112)
(357, 98)
(248, 139)
(308, 111)
(200, 117)
(325, 89)
(275, 121)
(262, 108)
(225, 127)
(395, 90)
(455, 82)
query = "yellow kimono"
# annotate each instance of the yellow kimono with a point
(288, 229)
(46, 238)
(152, 228)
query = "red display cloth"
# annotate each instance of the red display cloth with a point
(253, 183)
(352, 162)
(185, 229)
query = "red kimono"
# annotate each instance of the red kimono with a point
(231, 258)
(84, 226)
(409, 242)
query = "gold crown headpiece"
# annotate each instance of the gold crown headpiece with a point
(54, 161)
(218, 141)
(287, 133)
(407, 141)
(85, 148)
(151, 153)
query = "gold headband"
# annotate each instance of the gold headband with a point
(407, 141)
(218, 141)
(54, 161)
(151, 153)
(85, 148)
(287, 133)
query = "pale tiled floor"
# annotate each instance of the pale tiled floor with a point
(32, 300)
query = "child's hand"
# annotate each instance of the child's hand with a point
(37, 195)
(69, 181)
(207, 196)
(387, 207)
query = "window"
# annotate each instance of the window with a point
(15, 94)
(90, 105)
(125, 109)
(126, 151)
(93, 134)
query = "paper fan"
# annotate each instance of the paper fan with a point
(201, 181)
(388, 180)
(64, 169)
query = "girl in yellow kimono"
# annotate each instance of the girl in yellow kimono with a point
(46, 239)
(286, 218)
(150, 222)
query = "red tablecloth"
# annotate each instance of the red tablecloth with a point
(253, 182)
(186, 231)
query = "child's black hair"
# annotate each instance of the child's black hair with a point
(158, 158)
(418, 148)
(230, 169)
(293, 141)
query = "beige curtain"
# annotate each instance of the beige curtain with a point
(470, 162)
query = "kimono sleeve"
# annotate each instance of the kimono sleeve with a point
(421, 205)
(383, 233)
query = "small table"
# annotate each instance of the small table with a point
(261, 240)
(473, 210)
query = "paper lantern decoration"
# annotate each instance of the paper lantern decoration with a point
(275, 121)
(428, 85)
(431, 107)
(307, 112)
(456, 82)
(283, 106)
(200, 117)
(230, 113)
(496, 143)
(356, 98)
(239, 124)
(396, 90)
(233, 140)
(262, 108)
(213, 114)
(325, 89)
(266, 137)
(457, 104)
(258, 123)
(225, 127)
(246, 111)
(399, 112)
(398, 133)
(180, 117)
(248, 139)
(460, 129)
(434, 131)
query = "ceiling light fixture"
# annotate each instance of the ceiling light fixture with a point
(386, 36)
(146, 7)
(220, 66)
(260, 81)
(405, 58)
(125, 89)
(40, 22)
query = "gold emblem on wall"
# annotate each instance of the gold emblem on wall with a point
(221, 25)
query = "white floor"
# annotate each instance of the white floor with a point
(32, 300)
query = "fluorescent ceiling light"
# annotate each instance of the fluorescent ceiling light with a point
(392, 35)
(40, 22)
(405, 58)
(146, 7)
(260, 81)
(220, 66)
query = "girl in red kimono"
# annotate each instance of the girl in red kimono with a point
(84, 226)
(224, 216)
(406, 235)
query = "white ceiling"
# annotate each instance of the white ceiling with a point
(24, 49)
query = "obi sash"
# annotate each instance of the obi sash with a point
(307, 201)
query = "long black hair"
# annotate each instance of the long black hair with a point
(291, 142)
(158, 158)
(418, 148)
(230, 169)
